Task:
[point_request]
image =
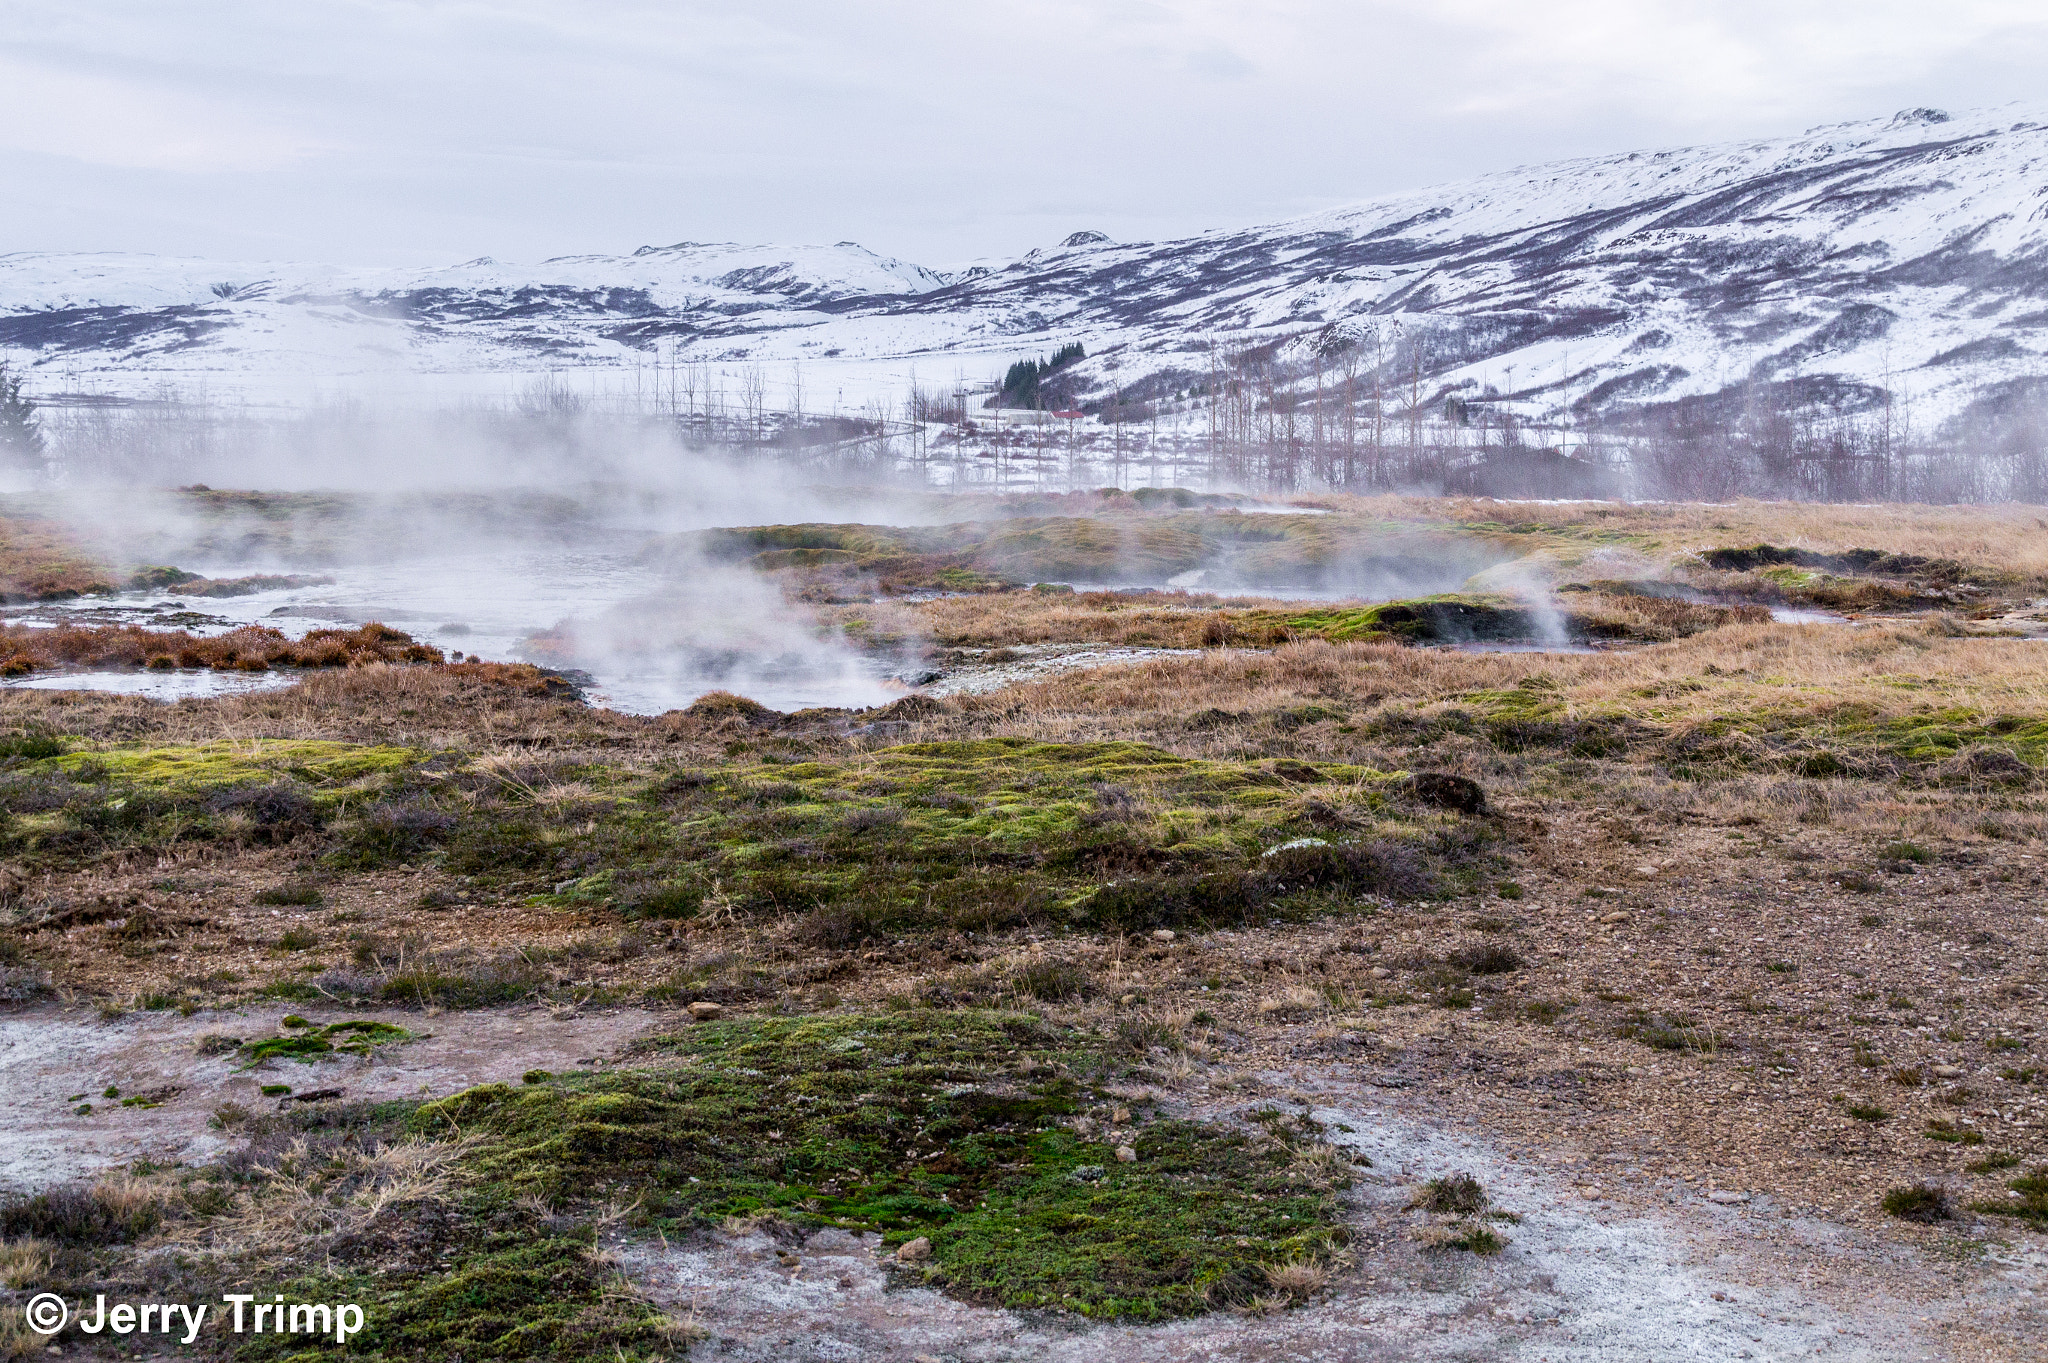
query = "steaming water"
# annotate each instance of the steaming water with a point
(1799, 615)
(1522, 646)
(179, 685)
(488, 603)
(714, 631)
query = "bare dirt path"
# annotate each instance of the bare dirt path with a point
(48, 1055)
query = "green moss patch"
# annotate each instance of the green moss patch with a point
(1436, 619)
(954, 1126)
(70, 807)
(514, 1293)
(979, 834)
(2029, 1200)
(965, 1128)
(357, 1036)
(201, 766)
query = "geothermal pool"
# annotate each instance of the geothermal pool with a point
(650, 639)
(721, 633)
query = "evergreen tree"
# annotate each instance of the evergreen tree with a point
(1020, 383)
(21, 435)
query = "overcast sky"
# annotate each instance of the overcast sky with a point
(431, 131)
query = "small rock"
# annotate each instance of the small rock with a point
(1126, 1155)
(1727, 1198)
(1646, 870)
(703, 1010)
(1618, 916)
(315, 1096)
(1948, 1071)
(915, 1251)
(926, 1358)
(1121, 1116)
(1128, 999)
(1380, 972)
(1162, 934)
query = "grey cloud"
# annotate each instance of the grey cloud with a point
(402, 131)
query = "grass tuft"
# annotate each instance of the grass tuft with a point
(1457, 1194)
(1921, 1202)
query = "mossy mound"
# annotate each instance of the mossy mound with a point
(996, 832)
(203, 766)
(72, 806)
(1857, 579)
(1433, 620)
(956, 1126)
(357, 1036)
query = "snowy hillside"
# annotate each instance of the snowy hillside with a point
(1908, 254)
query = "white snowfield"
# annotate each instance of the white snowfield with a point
(1906, 255)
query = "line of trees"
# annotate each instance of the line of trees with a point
(1024, 385)
(1355, 408)
(1366, 408)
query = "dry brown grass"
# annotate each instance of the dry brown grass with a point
(1167, 619)
(17, 1341)
(39, 559)
(1296, 1001)
(304, 1193)
(1298, 1279)
(2010, 536)
(1322, 1166)
(129, 1196)
(1131, 619)
(1893, 670)
(23, 1263)
(1652, 619)
(480, 706)
(252, 648)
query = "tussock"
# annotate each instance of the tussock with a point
(308, 1192)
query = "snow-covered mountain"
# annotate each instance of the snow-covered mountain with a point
(1907, 254)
